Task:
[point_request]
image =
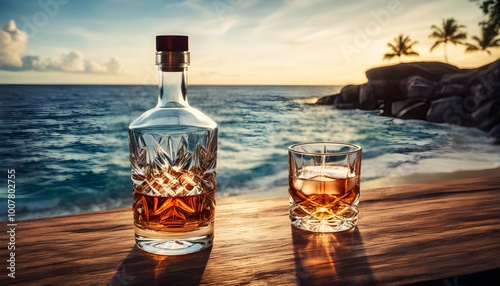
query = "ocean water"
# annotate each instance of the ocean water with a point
(68, 144)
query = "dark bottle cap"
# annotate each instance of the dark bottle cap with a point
(172, 43)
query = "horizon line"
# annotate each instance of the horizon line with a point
(125, 84)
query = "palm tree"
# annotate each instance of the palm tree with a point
(450, 32)
(488, 39)
(402, 46)
(491, 8)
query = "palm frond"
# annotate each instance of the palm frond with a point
(495, 43)
(389, 56)
(477, 39)
(412, 53)
(390, 45)
(457, 39)
(471, 48)
(436, 35)
(401, 46)
(487, 39)
(437, 43)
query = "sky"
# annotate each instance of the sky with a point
(240, 42)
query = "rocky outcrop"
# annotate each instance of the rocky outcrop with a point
(431, 91)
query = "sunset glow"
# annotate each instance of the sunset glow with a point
(232, 42)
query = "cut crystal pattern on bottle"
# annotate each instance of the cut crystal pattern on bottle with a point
(169, 166)
(174, 178)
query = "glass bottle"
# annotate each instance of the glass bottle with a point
(173, 155)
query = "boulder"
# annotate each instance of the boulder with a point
(354, 105)
(348, 94)
(327, 100)
(488, 75)
(398, 106)
(385, 89)
(480, 93)
(367, 97)
(486, 84)
(417, 87)
(447, 110)
(415, 111)
(385, 107)
(447, 90)
(429, 70)
(495, 134)
(487, 115)
(434, 91)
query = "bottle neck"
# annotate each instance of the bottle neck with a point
(172, 78)
(172, 88)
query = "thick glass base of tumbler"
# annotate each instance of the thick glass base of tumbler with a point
(174, 243)
(310, 223)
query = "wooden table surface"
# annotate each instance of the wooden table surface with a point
(405, 234)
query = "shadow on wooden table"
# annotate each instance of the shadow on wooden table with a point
(325, 258)
(140, 268)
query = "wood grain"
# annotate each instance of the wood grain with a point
(406, 234)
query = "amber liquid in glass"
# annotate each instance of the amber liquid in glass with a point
(324, 196)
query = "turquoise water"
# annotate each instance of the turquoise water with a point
(69, 144)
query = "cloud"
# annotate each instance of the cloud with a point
(73, 61)
(113, 65)
(12, 46)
